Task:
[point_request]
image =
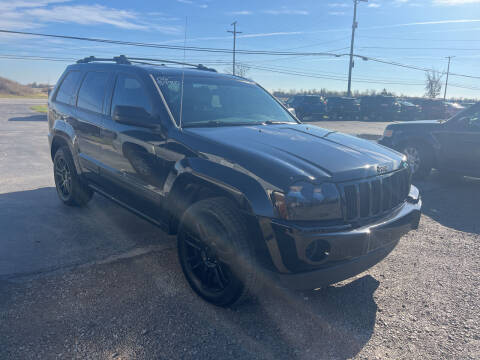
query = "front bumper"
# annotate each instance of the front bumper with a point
(350, 252)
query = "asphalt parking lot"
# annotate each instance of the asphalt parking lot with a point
(100, 283)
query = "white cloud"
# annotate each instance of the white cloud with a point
(86, 15)
(455, 2)
(336, 13)
(12, 5)
(191, 2)
(338, 5)
(285, 11)
(241, 12)
(438, 22)
(29, 14)
(373, 5)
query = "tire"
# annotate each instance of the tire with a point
(419, 158)
(70, 188)
(215, 254)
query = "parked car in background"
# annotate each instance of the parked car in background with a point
(308, 107)
(452, 145)
(379, 108)
(409, 111)
(453, 109)
(250, 193)
(432, 109)
(343, 108)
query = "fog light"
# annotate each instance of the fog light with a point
(317, 250)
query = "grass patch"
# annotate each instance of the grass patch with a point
(32, 96)
(39, 108)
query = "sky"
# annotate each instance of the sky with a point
(421, 33)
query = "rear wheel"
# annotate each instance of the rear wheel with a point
(215, 253)
(70, 188)
(419, 159)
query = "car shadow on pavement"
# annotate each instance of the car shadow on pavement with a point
(39, 234)
(452, 201)
(334, 322)
(37, 117)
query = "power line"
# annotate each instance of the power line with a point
(169, 47)
(327, 77)
(393, 63)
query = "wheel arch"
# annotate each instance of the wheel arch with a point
(190, 188)
(60, 139)
(427, 143)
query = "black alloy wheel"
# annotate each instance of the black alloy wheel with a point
(63, 178)
(215, 252)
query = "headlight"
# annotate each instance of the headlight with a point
(388, 133)
(306, 201)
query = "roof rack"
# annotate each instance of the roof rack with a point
(122, 59)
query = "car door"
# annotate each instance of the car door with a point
(459, 140)
(133, 168)
(89, 119)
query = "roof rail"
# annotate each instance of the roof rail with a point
(162, 61)
(122, 59)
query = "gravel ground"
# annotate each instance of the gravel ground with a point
(98, 283)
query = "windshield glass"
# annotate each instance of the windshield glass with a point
(216, 101)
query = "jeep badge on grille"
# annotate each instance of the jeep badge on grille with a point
(382, 169)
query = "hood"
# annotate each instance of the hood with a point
(281, 154)
(417, 125)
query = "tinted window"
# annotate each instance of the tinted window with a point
(92, 91)
(68, 87)
(220, 101)
(130, 92)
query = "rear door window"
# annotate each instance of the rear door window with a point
(68, 87)
(92, 91)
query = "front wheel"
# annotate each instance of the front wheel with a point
(215, 253)
(419, 159)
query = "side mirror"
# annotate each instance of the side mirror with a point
(133, 115)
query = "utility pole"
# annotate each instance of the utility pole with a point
(234, 32)
(354, 27)
(446, 81)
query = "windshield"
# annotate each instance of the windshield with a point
(211, 101)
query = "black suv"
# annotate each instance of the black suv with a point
(343, 108)
(380, 108)
(451, 146)
(251, 193)
(311, 107)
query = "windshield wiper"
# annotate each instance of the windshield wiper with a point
(271, 122)
(216, 123)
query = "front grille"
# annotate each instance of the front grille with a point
(374, 196)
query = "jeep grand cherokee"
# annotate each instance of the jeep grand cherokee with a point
(250, 192)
